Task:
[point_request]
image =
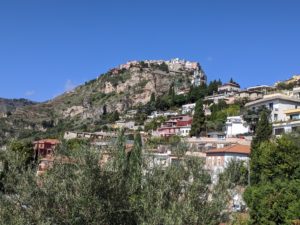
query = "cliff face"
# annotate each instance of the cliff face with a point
(119, 89)
(125, 87)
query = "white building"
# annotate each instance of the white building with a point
(292, 122)
(229, 88)
(188, 108)
(277, 104)
(184, 131)
(261, 88)
(296, 92)
(218, 159)
(125, 124)
(236, 125)
(199, 78)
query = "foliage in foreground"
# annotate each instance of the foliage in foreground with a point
(119, 192)
(274, 199)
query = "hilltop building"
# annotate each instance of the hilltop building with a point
(229, 88)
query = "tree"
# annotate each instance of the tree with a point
(274, 203)
(83, 191)
(213, 87)
(198, 124)
(135, 164)
(115, 116)
(197, 93)
(152, 98)
(171, 94)
(274, 199)
(164, 67)
(24, 151)
(235, 174)
(104, 110)
(262, 134)
(252, 116)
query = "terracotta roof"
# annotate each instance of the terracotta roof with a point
(231, 84)
(242, 149)
(51, 141)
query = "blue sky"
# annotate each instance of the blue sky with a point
(49, 46)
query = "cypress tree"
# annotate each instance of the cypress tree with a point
(152, 98)
(263, 133)
(198, 125)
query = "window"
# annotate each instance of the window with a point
(279, 131)
(271, 105)
(275, 117)
(219, 161)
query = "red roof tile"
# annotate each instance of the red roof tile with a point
(51, 141)
(242, 149)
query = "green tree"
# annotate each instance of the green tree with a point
(82, 191)
(24, 151)
(235, 174)
(197, 93)
(213, 87)
(274, 199)
(198, 124)
(262, 134)
(152, 98)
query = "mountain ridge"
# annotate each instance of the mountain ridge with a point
(122, 88)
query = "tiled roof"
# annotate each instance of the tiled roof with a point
(51, 141)
(231, 84)
(242, 149)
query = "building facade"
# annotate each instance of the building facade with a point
(45, 147)
(217, 160)
(235, 125)
(177, 125)
(277, 104)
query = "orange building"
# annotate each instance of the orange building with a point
(45, 147)
(217, 159)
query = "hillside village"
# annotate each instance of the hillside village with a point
(227, 113)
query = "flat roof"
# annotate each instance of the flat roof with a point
(273, 97)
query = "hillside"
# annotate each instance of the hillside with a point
(8, 106)
(120, 89)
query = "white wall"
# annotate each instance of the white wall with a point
(279, 106)
(232, 156)
(236, 125)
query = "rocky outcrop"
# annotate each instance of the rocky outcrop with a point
(119, 89)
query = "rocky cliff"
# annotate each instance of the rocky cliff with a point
(119, 89)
